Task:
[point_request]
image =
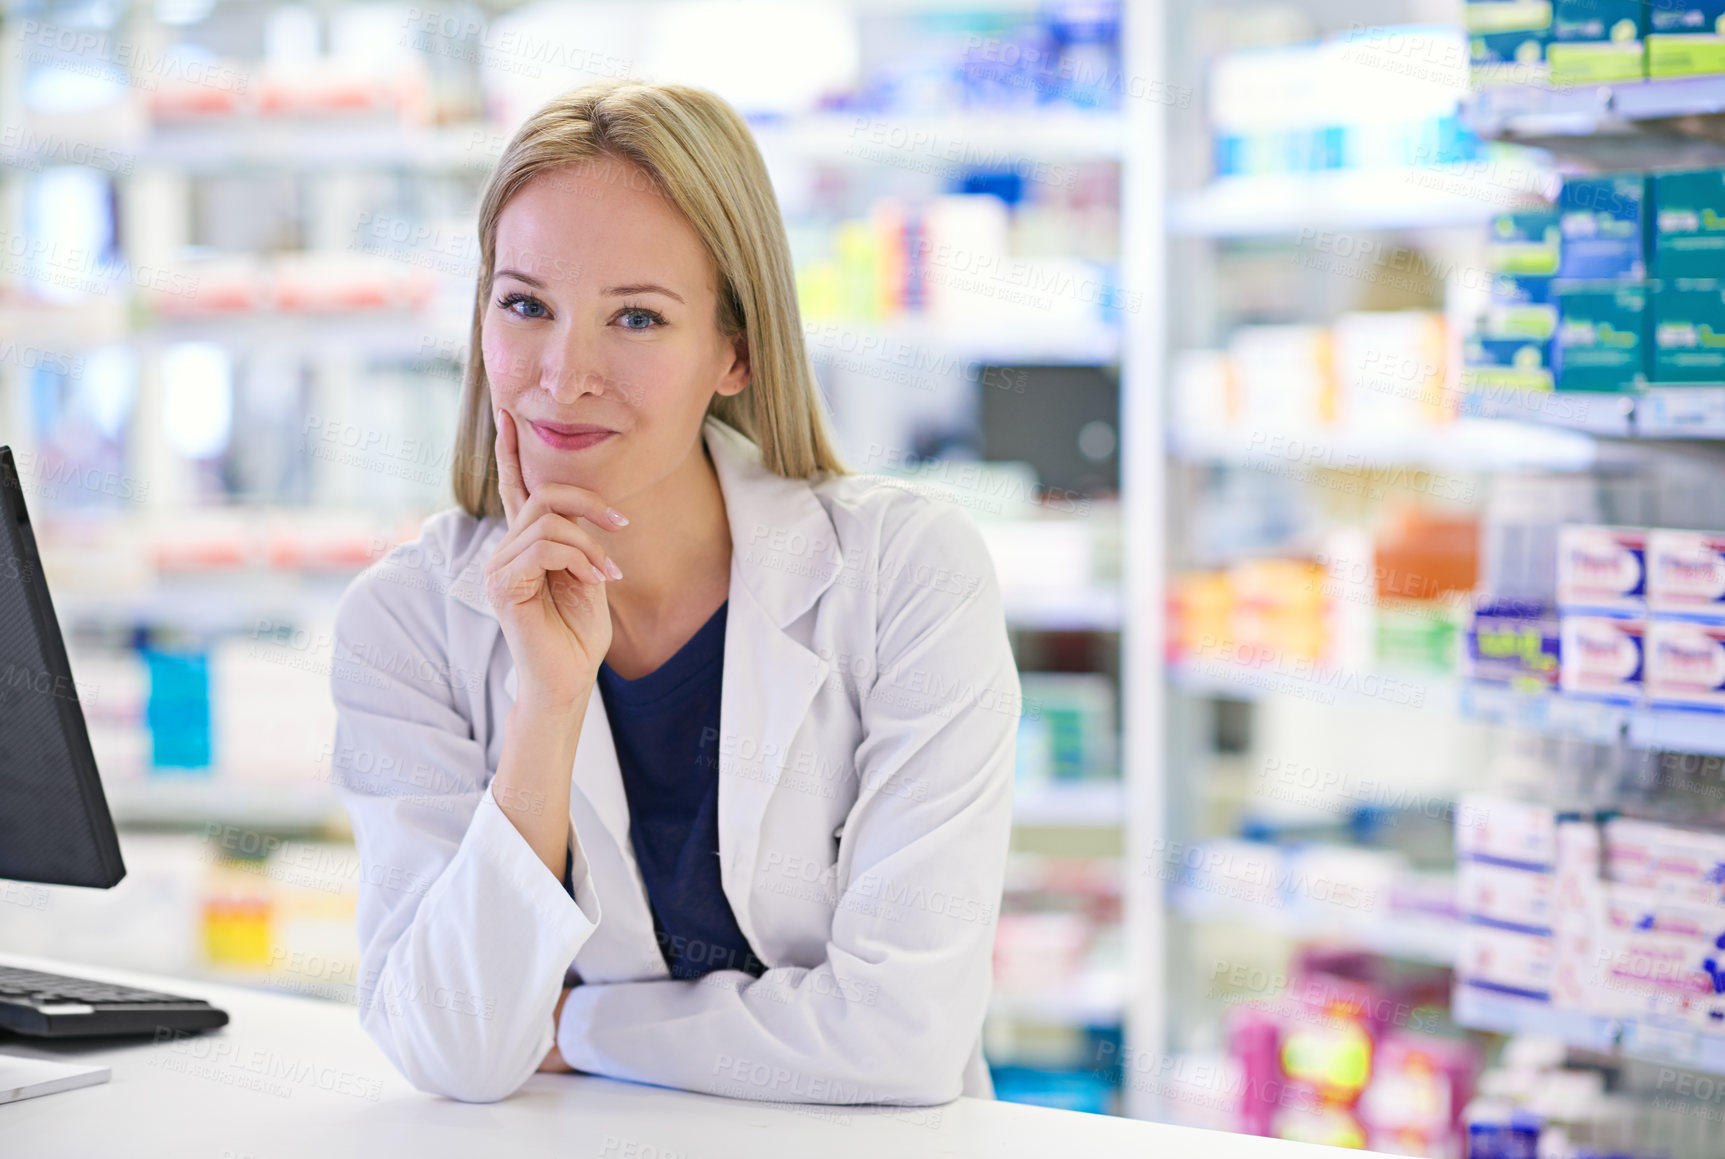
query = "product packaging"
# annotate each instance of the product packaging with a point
(1603, 221)
(1507, 42)
(1599, 344)
(1596, 41)
(1602, 569)
(1688, 327)
(1602, 657)
(1688, 224)
(1686, 574)
(1685, 37)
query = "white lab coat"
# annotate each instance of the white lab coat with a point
(867, 726)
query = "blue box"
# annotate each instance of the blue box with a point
(1507, 41)
(1522, 306)
(1604, 227)
(1528, 241)
(1597, 41)
(1507, 364)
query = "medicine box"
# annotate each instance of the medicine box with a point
(1507, 41)
(1602, 657)
(1600, 344)
(1513, 643)
(1688, 224)
(1508, 961)
(1510, 364)
(1522, 306)
(1602, 569)
(1688, 324)
(1506, 896)
(1501, 829)
(1686, 574)
(1685, 37)
(1604, 227)
(1596, 41)
(1686, 665)
(1528, 241)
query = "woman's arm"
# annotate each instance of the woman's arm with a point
(464, 933)
(893, 1012)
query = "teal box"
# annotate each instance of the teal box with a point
(1597, 42)
(1688, 332)
(1688, 224)
(1604, 227)
(1526, 242)
(1507, 41)
(1601, 336)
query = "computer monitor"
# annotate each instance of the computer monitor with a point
(55, 826)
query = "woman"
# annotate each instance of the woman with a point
(765, 859)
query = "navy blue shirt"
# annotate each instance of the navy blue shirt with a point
(665, 726)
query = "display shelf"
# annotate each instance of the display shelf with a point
(1407, 939)
(1300, 203)
(945, 142)
(191, 800)
(1671, 412)
(1556, 714)
(1094, 998)
(1471, 444)
(1096, 609)
(1530, 111)
(1305, 680)
(1096, 804)
(1650, 1041)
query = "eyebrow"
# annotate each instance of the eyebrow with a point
(614, 291)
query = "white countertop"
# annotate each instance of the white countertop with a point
(291, 1076)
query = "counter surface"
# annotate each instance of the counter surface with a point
(293, 1076)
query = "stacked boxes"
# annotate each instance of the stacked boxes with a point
(1511, 351)
(1601, 292)
(1590, 42)
(1686, 625)
(1602, 611)
(1504, 887)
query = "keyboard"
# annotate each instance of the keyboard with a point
(55, 1006)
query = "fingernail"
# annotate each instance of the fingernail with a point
(598, 576)
(611, 566)
(497, 417)
(617, 517)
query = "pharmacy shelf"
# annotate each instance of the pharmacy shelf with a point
(1408, 939)
(1309, 204)
(1096, 609)
(1468, 444)
(1650, 1041)
(1303, 680)
(944, 144)
(190, 800)
(1528, 111)
(1076, 804)
(1094, 998)
(1685, 412)
(1555, 714)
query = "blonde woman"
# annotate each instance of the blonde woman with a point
(675, 751)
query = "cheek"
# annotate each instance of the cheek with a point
(508, 360)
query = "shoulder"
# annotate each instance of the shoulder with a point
(907, 535)
(414, 580)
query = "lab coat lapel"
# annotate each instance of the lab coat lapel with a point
(783, 556)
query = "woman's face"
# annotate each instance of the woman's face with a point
(601, 334)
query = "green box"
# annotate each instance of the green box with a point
(1601, 336)
(1597, 41)
(1688, 325)
(1526, 242)
(1685, 37)
(1503, 365)
(1688, 224)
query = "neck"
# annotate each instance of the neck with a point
(677, 547)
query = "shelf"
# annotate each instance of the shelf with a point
(1085, 610)
(193, 800)
(947, 143)
(1471, 444)
(1409, 940)
(1658, 1042)
(1300, 203)
(1555, 714)
(1526, 111)
(1670, 412)
(1299, 679)
(1079, 804)
(1092, 999)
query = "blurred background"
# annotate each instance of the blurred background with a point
(1339, 385)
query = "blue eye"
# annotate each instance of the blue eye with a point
(508, 301)
(639, 312)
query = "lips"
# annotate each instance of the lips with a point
(570, 436)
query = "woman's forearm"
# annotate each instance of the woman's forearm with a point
(534, 772)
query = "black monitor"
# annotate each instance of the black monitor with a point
(54, 822)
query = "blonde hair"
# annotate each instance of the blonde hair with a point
(698, 153)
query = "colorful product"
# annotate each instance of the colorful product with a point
(1686, 665)
(1686, 574)
(1602, 657)
(1602, 569)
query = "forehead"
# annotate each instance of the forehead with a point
(601, 221)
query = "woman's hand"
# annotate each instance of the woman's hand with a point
(554, 1057)
(546, 580)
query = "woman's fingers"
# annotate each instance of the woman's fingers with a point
(510, 485)
(522, 577)
(557, 529)
(571, 501)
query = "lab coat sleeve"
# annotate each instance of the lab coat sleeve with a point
(893, 1012)
(464, 934)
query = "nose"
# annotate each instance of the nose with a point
(568, 370)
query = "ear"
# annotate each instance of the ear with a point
(738, 375)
